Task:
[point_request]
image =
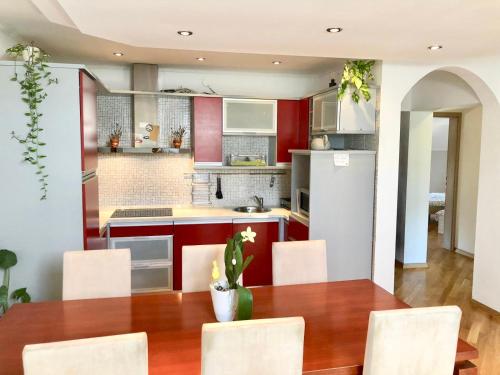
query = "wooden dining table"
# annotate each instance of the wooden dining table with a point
(335, 313)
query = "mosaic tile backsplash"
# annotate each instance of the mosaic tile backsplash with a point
(245, 145)
(156, 179)
(172, 113)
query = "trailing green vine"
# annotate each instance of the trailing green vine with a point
(33, 94)
(357, 75)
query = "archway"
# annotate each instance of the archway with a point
(397, 81)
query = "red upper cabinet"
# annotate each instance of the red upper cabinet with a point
(303, 141)
(88, 121)
(288, 129)
(207, 129)
(260, 271)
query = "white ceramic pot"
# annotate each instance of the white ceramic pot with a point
(31, 53)
(225, 304)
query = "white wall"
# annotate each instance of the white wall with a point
(40, 231)
(417, 187)
(397, 80)
(224, 82)
(456, 93)
(7, 40)
(438, 171)
(468, 176)
(440, 128)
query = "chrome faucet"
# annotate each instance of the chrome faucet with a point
(260, 201)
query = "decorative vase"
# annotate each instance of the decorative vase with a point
(114, 142)
(177, 143)
(225, 303)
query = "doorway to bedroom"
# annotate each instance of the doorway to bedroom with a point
(445, 151)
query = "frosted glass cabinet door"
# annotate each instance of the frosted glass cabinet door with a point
(325, 112)
(249, 116)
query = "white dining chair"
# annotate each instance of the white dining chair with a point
(418, 341)
(299, 262)
(96, 274)
(109, 355)
(249, 347)
(197, 266)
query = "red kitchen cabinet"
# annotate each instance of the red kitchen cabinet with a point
(297, 231)
(88, 121)
(303, 141)
(260, 271)
(196, 234)
(207, 129)
(92, 239)
(293, 127)
(288, 129)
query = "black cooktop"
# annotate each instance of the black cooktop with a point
(142, 212)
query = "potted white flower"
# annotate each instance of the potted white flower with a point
(229, 298)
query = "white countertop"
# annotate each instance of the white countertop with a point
(183, 214)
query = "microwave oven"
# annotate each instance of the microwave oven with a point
(303, 202)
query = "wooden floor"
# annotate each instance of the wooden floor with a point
(448, 281)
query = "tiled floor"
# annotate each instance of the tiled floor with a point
(448, 281)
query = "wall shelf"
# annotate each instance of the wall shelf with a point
(143, 150)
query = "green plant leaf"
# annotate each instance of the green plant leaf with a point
(247, 262)
(245, 303)
(21, 295)
(8, 259)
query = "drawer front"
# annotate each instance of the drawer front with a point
(146, 230)
(145, 248)
(151, 279)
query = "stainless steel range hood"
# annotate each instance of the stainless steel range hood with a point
(146, 128)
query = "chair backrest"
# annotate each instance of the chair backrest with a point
(249, 347)
(121, 355)
(299, 262)
(197, 266)
(418, 341)
(96, 274)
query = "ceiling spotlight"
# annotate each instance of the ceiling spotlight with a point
(334, 29)
(434, 47)
(119, 54)
(200, 59)
(276, 62)
(185, 32)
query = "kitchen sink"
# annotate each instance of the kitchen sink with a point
(252, 209)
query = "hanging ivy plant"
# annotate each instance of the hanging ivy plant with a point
(357, 75)
(36, 74)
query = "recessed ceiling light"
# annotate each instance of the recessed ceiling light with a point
(200, 59)
(276, 62)
(435, 47)
(185, 32)
(119, 54)
(334, 29)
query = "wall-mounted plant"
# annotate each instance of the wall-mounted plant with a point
(8, 259)
(31, 84)
(178, 136)
(356, 76)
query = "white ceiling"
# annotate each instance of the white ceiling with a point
(279, 29)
